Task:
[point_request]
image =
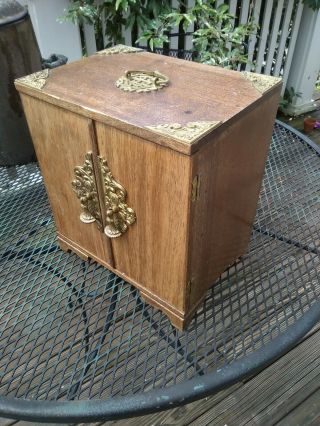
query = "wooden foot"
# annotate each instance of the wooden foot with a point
(67, 248)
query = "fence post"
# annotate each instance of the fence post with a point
(90, 39)
(53, 36)
(305, 63)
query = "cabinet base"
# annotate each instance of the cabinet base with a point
(178, 320)
(176, 317)
(67, 247)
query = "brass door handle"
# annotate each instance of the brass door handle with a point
(117, 215)
(85, 188)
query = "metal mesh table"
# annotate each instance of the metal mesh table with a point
(79, 344)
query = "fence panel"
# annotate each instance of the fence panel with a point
(90, 39)
(254, 36)
(233, 7)
(175, 30)
(188, 45)
(292, 43)
(264, 32)
(244, 11)
(127, 35)
(274, 37)
(283, 38)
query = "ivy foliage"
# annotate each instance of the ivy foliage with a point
(81, 12)
(132, 14)
(217, 40)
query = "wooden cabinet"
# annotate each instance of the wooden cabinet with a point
(154, 173)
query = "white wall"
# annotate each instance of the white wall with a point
(53, 36)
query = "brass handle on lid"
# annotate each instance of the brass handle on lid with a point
(142, 81)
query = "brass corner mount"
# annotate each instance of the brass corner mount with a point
(261, 82)
(187, 133)
(119, 49)
(37, 80)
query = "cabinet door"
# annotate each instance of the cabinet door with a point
(152, 251)
(62, 139)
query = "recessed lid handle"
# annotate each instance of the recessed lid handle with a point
(142, 81)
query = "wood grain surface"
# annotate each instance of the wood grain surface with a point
(230, 168)
(153, 251)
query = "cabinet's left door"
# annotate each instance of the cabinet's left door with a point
(62, 140)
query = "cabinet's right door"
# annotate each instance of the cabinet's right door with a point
(153, 250)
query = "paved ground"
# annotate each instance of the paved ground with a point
(297, 122)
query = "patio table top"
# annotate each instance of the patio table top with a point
(78, 343)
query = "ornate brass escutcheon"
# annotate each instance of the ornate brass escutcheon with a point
(84, 185)
(118, 215)
(142, 81)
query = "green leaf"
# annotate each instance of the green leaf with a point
(223, 8)
(118, 2)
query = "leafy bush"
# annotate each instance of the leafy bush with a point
(133, 14)
(216, 40)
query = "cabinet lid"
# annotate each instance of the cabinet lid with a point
(169, 101)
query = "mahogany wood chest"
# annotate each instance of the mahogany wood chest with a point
(152, 165)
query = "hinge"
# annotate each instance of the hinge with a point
(195, 190)
(190, 284)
